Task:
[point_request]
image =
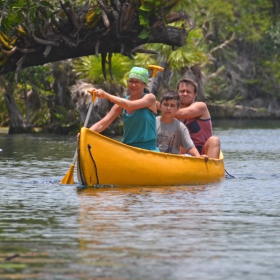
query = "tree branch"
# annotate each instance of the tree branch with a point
(71, 37)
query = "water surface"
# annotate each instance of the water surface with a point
(228, 230)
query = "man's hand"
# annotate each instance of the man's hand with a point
(205, 157)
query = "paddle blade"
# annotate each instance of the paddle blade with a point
(68, 179)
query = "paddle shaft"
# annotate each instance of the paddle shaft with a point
(151, 84)
(85, 124)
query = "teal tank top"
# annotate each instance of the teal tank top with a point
(140, 129)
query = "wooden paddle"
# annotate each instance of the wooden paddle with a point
(68, 179)
(155, 69)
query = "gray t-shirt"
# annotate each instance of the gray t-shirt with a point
(170, 137)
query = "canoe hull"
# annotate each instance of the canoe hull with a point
(102, 160)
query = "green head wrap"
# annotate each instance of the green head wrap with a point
(140, 74)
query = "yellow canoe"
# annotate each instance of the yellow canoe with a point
(104, 161)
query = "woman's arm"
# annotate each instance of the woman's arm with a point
(107, 120)
(149, 100)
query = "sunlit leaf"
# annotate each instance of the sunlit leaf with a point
(46, 4)
(144, 34)
(146, 8)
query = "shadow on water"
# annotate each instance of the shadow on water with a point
(98, 189)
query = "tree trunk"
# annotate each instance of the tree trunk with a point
(18, 124)
(61, 84)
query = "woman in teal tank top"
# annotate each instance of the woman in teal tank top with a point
(138, 112)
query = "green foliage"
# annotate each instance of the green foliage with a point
(147, 10)
(214, 88)
(190, 54)
(270, 73)
(274, 34)
(64, 121)
(38, 76)
(38, 79)
(90, 68)
(256, 38)
(65, 117)
(254, 19)
(30, 11)
(151, 9)
(184, 5)
(248, 19)
(3, 109)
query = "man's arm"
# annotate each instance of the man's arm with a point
(195, 110)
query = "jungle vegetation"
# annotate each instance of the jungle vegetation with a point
(230, 47)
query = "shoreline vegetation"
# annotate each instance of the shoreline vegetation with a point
(222, 115)
(241, 112)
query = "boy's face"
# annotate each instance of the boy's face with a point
(169, 107)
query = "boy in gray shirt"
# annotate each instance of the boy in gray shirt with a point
(171, 133)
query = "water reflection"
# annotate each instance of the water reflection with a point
(124, 227)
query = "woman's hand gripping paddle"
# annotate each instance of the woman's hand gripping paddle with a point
(68, 179)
